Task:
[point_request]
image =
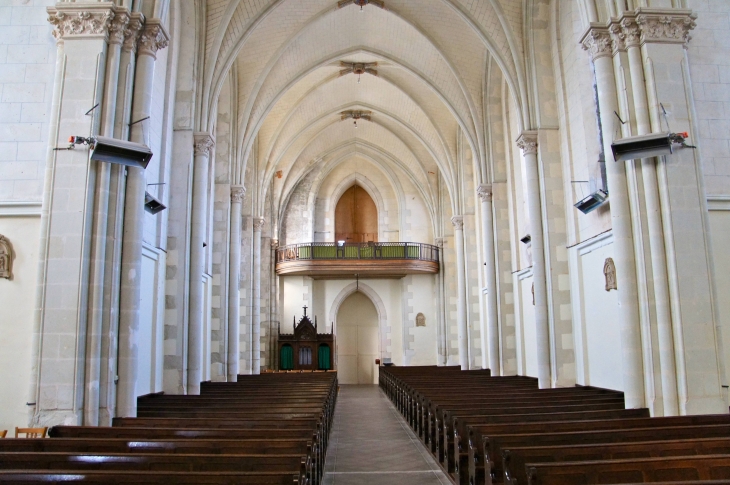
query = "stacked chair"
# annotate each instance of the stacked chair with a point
(486, 430)
(266, 429)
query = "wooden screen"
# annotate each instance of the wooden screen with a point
(356, 217)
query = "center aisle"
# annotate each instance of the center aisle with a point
(371, 444)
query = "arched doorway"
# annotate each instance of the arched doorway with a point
(356, 217)
(357, 341)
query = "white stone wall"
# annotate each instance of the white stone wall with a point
(709, 60)
(27, 62)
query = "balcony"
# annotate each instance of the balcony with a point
(376, 260)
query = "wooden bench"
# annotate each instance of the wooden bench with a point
(638, 470)
(117, 477)
(515, 459)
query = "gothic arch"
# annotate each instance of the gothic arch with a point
(374, 297)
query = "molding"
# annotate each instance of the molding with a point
(21, 208)
(714, 203)
(87, 21)
(594, 243)
(665, 25)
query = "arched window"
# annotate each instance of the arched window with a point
(286, 361)
(323, 357)
(356, 217)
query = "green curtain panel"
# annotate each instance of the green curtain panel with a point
(287, 358)
(324, 357)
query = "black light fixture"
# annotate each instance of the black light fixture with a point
(592, 202)
(112, 150)
(646, 146)
(152, 204)
(526, 239)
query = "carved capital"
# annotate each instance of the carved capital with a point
(238, 192)
(73, 21)
(203, 144)
(597, 41)
(132, 31)
(484, 191)
(118, 26)
(630, 30)
(258, 223)
(6, 258)
(527, 142)
(458, 222)
(440, 241)
(274, 243)
(153, 38)
(618, 38)
(665, 26)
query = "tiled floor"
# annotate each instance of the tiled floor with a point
(372, 444)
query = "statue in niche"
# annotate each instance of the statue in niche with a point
(420, 320)
(6, 258)
(609, 271)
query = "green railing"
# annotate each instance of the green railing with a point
(334, 251)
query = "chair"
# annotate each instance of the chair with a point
(30, 432)
(3, 433)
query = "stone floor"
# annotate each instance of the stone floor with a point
(372, 444)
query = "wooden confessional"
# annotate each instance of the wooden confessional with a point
(306, 349)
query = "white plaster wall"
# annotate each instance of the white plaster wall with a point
(529, 336)
(27, 59)
(720, 232)
(17, 305)
(602, 332)
(423, 343)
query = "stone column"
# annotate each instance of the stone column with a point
(59, 341)
(198, 229)
(527, 142)
(106, 112)
(598, 42)
(258, 225)
(441, 332)
(234, 284)
(463, 331)
(152, 38)
(490, 335)
(629, 34)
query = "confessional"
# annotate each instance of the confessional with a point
(306, 349)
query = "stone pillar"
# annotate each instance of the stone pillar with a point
(152, 38)
(234, 284)
(258, 225)
(198, 229)
(58, 389)
(628, 33)
(441, 330)
(697, 334)
(461, 320)
(598, 42)
(97, 280)
(490, 335)
(527, 142)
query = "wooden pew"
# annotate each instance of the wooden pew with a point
(117, 477)
(638, 470)
(515, 459)
(494, 444)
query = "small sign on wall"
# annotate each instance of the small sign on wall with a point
(6, 258)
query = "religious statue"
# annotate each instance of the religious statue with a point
(6, 258)
(420, 320)
(609, 271)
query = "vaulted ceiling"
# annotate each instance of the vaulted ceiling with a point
(431, 58)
